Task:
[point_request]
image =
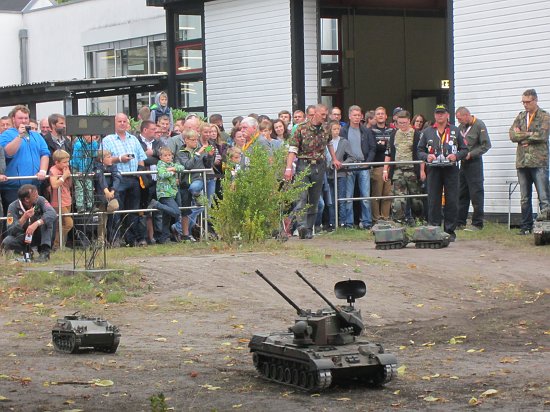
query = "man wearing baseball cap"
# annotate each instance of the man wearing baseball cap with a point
(442, 146)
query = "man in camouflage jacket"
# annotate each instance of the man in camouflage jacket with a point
(307, 144)
(530, 132)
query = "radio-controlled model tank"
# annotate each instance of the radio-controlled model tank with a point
(430, 237)
(75, 332)
(322, 347)
(388, 236)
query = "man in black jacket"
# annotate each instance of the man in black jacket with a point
(363, 148)
(56, 139)
(442, 146)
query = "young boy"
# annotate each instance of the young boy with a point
(60, 177)
(167, 191)
(342, 149)
(106, 188)
(84, 151)
(161, 108)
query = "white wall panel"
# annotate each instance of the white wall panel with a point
(311, 52)
(248, 57)
(501, 49)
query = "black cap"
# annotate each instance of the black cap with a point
(397, 110)
(441, 108)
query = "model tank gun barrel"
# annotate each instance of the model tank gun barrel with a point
(299, 311)
(350, 318)
(334, 308)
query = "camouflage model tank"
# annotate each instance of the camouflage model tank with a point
(388, 236)
(75, 332)
(430, 237)
(322, 346)
(541, 228)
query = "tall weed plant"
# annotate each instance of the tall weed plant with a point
(257, 199)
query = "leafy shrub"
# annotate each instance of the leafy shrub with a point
(256, 200)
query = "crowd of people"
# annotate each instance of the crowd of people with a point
(372, 157)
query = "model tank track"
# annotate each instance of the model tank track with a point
(66, 342)
(384, 374)
(390, 245)
(430, 245)
(292, 373)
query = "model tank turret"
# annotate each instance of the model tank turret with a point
(322, 346)
(75, 332)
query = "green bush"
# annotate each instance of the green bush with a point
(256, 201)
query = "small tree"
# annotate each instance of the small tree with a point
(256, 200)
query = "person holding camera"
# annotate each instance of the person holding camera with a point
(30, 222)
(128, 156)
(26, 154)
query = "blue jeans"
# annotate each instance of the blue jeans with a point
(342, 206)
(527, 176)
(128, 194)
(363, 179)
(170, 210)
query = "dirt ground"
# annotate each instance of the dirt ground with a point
(470, 318)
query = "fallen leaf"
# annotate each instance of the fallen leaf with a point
(226, 343)
(174, 321)
(402, 347)
(315, 395)
(237, 406)
(194, 374)
(102, 382)
(210, 387)
(489, 392)
(397, 392)
(244, 340)
(431, 399)
(186, 349)
(420, 305)
(473, 402)
(68, 402)
(411, 266)
(237, 326)
(343, 399)
(509, 359)
(428, 344)
(454, 377)
(3, 398)
(161, 339)
(401, 370)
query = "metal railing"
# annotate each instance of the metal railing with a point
(204, 172)
(362, 166)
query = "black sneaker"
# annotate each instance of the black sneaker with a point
(523, 232)
(44, 255)
(302, 231)
(188, 239)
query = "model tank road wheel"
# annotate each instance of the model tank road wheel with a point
(295, 377)
(310, 381)
(383, 374)
(264, 370)
(287, 376)
(273, 371)
(280, 373)
(538, 239)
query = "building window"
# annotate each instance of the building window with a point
(189, 27)
(331, 61)
(189, 61)
(189, 58)
(123, 58)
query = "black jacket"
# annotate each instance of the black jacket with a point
(53, 146)
(368, 143)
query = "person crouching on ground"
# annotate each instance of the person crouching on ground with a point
(30, 221)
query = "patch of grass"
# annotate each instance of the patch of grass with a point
(327, 257)
(195, 304)
(111, 287)
(351, 234)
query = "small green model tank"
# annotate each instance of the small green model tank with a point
(430, 237)
(541, 228)
(75, 332)
(388, 236)
(322, 347)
